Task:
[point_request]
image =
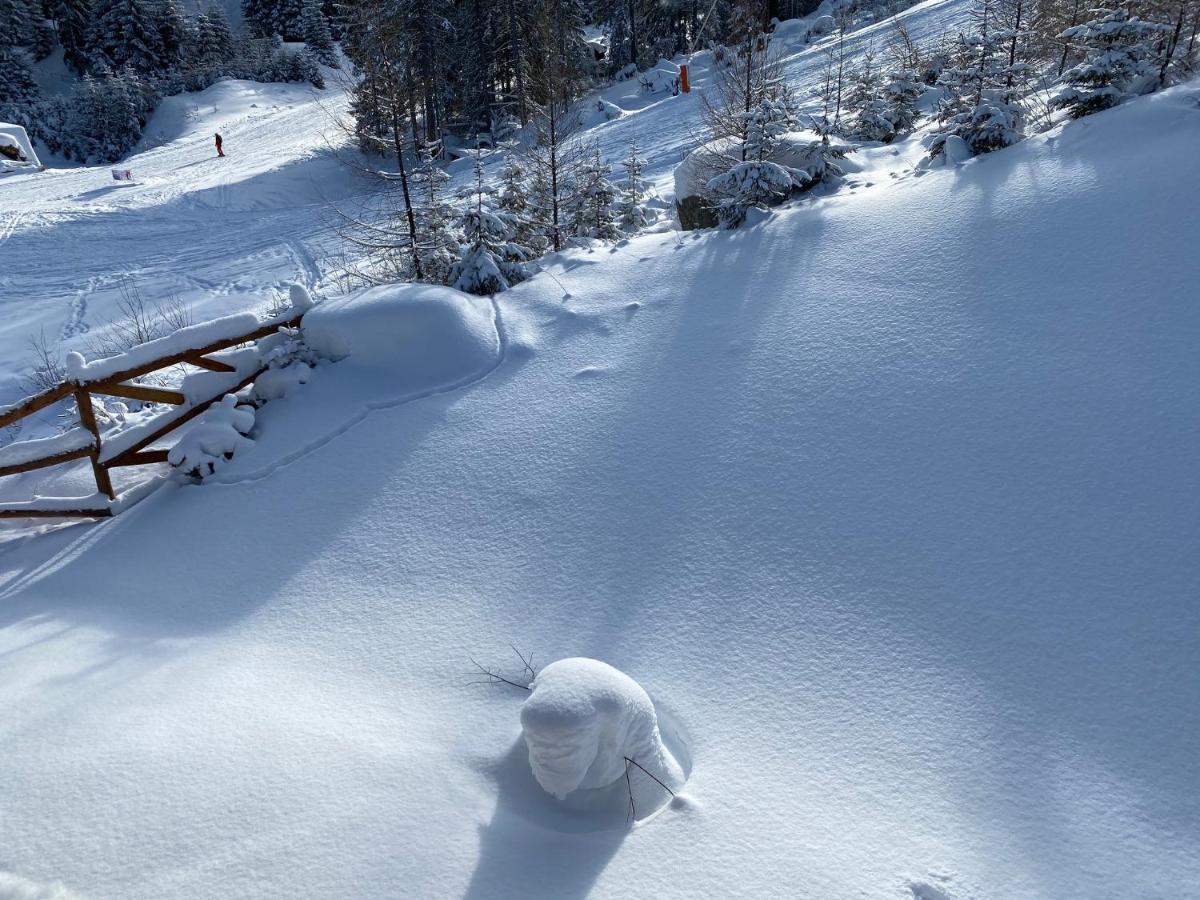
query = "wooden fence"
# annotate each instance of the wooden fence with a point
(124, 448)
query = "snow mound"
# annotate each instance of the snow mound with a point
(414, 336)
(583, 720)
(18, 153)
(14, 887)
(214, 439)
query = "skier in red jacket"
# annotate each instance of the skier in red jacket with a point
(220, 152)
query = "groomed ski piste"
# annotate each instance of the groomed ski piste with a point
(887, 500)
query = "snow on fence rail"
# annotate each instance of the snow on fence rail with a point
(112, 377)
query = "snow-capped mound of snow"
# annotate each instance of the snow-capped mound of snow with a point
(219, 433)
(583, 720)
(413, 336)
(17, 150)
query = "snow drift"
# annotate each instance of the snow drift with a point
(414, 335)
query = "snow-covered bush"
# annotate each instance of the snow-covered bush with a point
(582, 723)
(213, 439)
(988, 126)
(758, 183)
(1122, 61)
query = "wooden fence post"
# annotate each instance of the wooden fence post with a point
(87, 418)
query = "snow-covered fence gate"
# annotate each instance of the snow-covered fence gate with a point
(191, 346)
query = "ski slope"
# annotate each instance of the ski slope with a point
(888, 501)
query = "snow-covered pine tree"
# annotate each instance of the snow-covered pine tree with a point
(491, 262)
(172, 32)
(286, 18)
(514, 201)
(438, 245)
(259, 17)
(18, 90)
(631, 208)
(213, 41)
(1120, 60)
(592, 203)
(318, 38)
(982, 106)
(125, 33)
(71, 22)
(16, 24)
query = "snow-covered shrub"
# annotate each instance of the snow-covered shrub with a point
(583, 720)
(988, 126)
(758, 183)
(1122, 61)
(218, 434)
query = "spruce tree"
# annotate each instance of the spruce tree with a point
(72, 19)
(491, 262)
(317, 37)
(631, 208)
(592, 204)
(125, 33)
(1120, 60)
(438, 244)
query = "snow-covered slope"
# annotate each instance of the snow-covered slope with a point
(220, 234)
(888, 502)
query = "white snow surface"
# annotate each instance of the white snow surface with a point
(583, 720)
(888, 501)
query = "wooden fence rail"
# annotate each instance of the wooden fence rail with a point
(120, 450)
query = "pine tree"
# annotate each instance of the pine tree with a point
(286, 18)
(439, 246)
(982, 106)
(125, 33)
(72, 20)
(214, 43)
(514, 201)
(16, 23)
(592, 204)
(172, 32)
(491, 262)
(1120, 61)
(631, 208)
(317, 36)
(259, 17)
(17, 87)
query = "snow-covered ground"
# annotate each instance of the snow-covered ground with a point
(887, 501)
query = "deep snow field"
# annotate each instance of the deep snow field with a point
(888, 500)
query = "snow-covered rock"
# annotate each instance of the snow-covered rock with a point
(581, 723)
(20, 154)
